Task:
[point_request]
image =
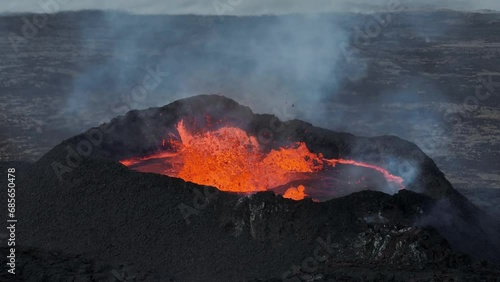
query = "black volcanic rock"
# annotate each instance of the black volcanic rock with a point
(37, 265)
(141, 132)
(178, 230)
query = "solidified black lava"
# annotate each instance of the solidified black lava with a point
(179, 231)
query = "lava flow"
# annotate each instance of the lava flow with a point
(231, 160)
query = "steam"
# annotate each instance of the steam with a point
(292, 66)
(308, 66)
(267, 63)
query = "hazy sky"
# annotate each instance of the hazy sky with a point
(237, 7)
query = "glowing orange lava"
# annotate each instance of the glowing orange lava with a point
(230, 160)
(296, 194)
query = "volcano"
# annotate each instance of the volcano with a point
(203, 189)
(212, 140)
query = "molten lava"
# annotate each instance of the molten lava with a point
(296, 194)
(231, 160)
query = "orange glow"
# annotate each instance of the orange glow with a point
(296, 194)
(231, 160)
(389, 177)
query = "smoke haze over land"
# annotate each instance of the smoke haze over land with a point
(244, 7)
(336, 71)
(396, 72)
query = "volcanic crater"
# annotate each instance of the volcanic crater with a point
(212, 140)
(203, 189)
(220, 154)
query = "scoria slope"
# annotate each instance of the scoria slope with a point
(94, 206)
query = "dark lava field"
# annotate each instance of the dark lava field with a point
(429, 79)
(424, 77)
